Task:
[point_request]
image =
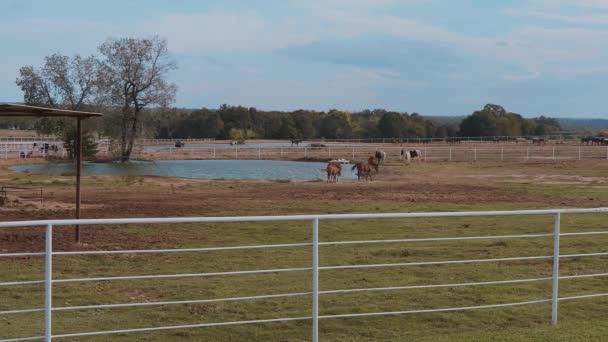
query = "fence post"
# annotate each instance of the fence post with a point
(329, 151)
(237, 152)
(475, 153)
(214, 153)
(353, 152)
(315, 279)
(554, 153)
(607, 153)
(555, 296)
(281, 152)
(450, 157)
(502, 154)
(305, 152)
(259, 153)
(48, 283)
(528, 153)
(579, 153)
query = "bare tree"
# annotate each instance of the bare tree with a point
(134, 76)
(63, 82)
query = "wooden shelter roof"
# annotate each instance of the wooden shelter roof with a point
(20, 110)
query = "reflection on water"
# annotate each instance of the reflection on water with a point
(206, 169)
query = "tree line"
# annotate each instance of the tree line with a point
(238, 122)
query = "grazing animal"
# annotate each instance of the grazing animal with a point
(365, 168)
(594, 141)
(539, 141)
(380, 156)
(296, 142)
(334, 170)
(411, 154)
(179, 144)
(373, 162)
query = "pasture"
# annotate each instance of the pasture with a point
(438, 186)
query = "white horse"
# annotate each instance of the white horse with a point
(411, 154)
(381, 156)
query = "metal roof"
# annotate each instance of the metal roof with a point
(19, 110)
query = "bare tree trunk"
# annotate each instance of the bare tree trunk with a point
(123, 133)
(132, 135)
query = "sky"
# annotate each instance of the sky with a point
(434, 57)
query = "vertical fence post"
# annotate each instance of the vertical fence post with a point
(329, 151)
(353, 152)
(305, 152)
(528, 153)
(607, 153)
(554, 153)
(237, 152)
(214, 153)
(281, 153)
(48, 283)
(315, 279)
(450, 157)
(502, 154)
(555, 296)
(259, 153)
(475, 153)
(579, 153)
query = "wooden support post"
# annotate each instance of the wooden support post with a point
(78, 151)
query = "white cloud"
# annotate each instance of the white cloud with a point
(226, 32)
(593, 3)
(351, 5)
(533, 49)
(573, 19)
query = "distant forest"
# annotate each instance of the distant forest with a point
(238, 122)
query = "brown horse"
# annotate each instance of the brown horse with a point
(364, 169)
(373, 162)
(334, 170)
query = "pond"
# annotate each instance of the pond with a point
(247, 145)
(204, 169)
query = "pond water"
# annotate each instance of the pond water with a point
(205, 169)
(247, 145)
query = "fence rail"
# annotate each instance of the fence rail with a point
(393, 153)
(315, 268)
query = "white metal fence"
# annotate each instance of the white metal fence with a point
(315, 268)
(443, 153)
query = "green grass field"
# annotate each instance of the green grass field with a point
(509, 324)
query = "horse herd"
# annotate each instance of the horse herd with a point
(594, 141)
(366, 167)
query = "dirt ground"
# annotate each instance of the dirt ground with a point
(508, 185)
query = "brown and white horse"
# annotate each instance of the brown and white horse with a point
(408, 155)
(380, 156)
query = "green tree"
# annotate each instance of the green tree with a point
(336, 125)
(392, 125)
